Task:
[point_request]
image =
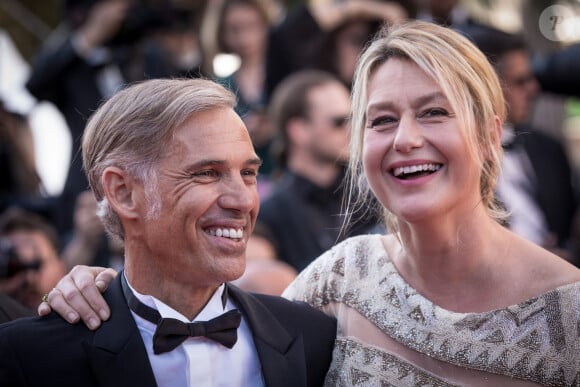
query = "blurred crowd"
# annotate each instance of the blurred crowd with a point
(293, 64)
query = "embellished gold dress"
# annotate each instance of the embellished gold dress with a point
(390, 335)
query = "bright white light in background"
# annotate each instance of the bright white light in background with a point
(226, 64)
(52, 144)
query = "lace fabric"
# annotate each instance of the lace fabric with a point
(389, 334)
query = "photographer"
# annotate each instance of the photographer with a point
(29, 262)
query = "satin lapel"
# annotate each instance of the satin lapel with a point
(281, 354)
(117, 354)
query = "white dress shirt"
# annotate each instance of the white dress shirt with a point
(199, 361)
(516, 188)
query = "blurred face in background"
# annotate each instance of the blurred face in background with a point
(350, 41)
(33, 246)
(244, 30)
(328, 112)
(519, 86)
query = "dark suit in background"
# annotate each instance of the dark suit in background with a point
(10, 309)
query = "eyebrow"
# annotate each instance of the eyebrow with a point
(436, 96)
(254, 161)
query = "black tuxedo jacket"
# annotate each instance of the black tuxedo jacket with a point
(294, 343)
(555, 193)
(10, 309)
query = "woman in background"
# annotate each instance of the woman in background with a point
(240, 27)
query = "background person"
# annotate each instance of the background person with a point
(536, 183)
(240, 27)
(30, 265)
(302, 217)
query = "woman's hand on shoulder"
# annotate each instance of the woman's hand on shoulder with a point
(77, 296)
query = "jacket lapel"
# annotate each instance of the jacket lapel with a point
(281, 354)
(117, 354)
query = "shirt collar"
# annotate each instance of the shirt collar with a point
(214, 307)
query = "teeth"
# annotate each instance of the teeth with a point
(226, 232)
(416, 168)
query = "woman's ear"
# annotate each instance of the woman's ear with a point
(120, 190)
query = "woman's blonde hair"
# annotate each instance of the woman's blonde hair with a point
(466, 78)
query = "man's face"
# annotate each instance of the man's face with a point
(519, 85)
(209, 201)
(328, 112)
(33, 247)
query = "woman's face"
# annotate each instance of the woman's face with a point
(244, 30)
(415, 156)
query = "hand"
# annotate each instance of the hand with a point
(329, 15)
(78, 296)
(104, 22)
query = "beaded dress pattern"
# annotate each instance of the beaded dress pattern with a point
(536, 341)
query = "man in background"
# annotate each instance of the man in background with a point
(302, 217)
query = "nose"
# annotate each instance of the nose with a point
(408, 135)
(239, 195)
(533, 87)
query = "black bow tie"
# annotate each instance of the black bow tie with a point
(170, 333)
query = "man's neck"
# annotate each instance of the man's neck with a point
(188, 299)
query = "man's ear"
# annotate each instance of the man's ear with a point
(297, 130)
(120, 190)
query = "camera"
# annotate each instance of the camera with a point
(146, 16)
(11, 263)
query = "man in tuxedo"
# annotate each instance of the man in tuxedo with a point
(174, 171)
(536, 184)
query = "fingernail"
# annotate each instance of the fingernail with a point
(103, 314)
(93, 324)
(72, 317)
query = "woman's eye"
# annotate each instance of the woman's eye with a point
(381, 122)
(436, 112)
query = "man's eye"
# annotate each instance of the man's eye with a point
(250, 172)
(205, 174)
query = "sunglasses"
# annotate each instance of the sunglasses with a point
(338, 122)
(522, 80)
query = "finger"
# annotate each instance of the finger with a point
(104, 278)
(83, 295)
(43, 309)
(58, 303)
(95, 299)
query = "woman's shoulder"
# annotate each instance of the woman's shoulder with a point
(340, 269)
(541, 269)
(356, 251)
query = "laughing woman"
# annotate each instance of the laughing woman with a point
(450, 296)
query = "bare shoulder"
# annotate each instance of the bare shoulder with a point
(542, 269)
